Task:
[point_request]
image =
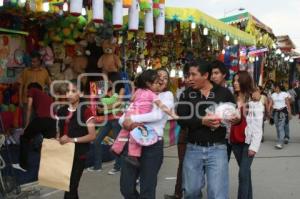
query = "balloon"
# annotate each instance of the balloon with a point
(145, 5)
(127, 3)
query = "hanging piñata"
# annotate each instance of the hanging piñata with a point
(76, 7)
(149, 27)
(98, 11)
(118, 13)
(160, 21)
(134, 15)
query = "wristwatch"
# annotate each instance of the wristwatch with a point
(75, 140)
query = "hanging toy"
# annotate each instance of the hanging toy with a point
(118, 14)
(30, 5)
(76, 7)
(98, 11)
(109, 1)
(149, 27)
(134, 16)
(127, 3)
(160, 21)
(155, 8)
(145, 5)
(39, 5)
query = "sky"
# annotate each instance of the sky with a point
(283, 16)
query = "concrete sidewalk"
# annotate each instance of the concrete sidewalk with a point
(275, 173)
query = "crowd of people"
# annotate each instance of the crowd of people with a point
(206, 141)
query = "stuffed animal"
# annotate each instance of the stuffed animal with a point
(109, 62)
(47, 55)
(78, 66)
(55, 72)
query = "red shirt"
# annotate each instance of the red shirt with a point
(237, 132)
(41, 102)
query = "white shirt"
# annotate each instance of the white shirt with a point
(254, 128)
(279, 100)
(156, 119)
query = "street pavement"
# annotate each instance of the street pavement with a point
(275, 173)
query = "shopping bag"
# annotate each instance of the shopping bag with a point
(171, 133)
(56, 164)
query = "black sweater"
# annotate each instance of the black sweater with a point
(198, 104)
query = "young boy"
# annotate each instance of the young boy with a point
(76, 124)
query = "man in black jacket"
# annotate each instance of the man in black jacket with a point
(206, 152)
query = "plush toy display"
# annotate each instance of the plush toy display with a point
(55, 72)
(109, 62)
(47, 56)
(78, 66)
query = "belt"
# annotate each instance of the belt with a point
(207, 144)
(282, 109)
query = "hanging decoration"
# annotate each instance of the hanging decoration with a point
(155, 8)
(134, 16)
(160, 21)
(98, 11)
(76, 7)
(145, 5)
(30, 5)
(40, 6)
(127, 3)
(148, 26)
(118, 14)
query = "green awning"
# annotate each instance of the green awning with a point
(194, 15)
(244, 17)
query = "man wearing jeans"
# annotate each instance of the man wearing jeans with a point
(206, 152)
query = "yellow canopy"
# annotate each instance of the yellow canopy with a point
(194, 15)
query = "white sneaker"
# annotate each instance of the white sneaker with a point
(113, 171)
(91, 169)
(278, 146)
(17, 166)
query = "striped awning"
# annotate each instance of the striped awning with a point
(244, 17)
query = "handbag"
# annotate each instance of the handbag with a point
(144, 136)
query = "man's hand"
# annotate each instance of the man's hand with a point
(235, 120)
(26, 125)
(251, 153)
(211, 121)
(65, 139)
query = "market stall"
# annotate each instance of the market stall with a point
(75, 37)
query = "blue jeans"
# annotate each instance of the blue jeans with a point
(104, 131)
(210, 161)
(150, 163)
(240, 152)
(282, 126)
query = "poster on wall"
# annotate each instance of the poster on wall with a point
(12, 50)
